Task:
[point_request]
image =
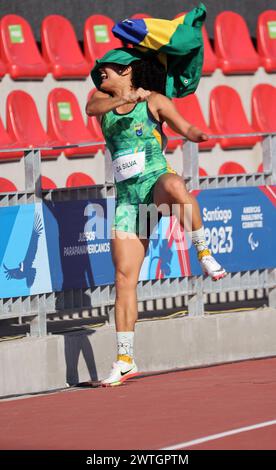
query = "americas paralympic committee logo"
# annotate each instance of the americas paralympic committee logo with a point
(253, 244)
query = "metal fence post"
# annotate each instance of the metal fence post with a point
(195, 302)
(111, 314)
(191, 172)
(38, 324)
(269, 157)
(190, 164)
(108, 169)
(32, 163)
(272, 290)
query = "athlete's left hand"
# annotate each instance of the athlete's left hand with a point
(196, 135)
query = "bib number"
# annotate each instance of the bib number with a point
(128, 165)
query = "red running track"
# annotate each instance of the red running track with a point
(152, 412)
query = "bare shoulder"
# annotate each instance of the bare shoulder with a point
(157, 102)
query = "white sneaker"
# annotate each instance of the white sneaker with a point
(120, 372)
(212, 268)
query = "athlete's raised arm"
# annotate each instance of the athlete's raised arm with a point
(100, 103)
(168, 112)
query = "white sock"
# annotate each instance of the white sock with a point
(125, 340)
(199, 240)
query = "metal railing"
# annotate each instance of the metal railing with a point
(99, 301)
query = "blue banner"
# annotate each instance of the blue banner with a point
(57, 246)
(83, 241)
(240, 226)
(24, 265)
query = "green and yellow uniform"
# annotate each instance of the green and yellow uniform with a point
(136, 143)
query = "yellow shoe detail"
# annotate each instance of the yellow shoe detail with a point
(203, 253)
(125, 358)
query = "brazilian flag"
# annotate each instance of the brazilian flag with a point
(178, 44)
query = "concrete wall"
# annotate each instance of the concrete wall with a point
(37, 364)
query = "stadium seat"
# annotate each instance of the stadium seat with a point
(202, 172)
(190, 109)
(233, 45)
(7, 143)
(94, 126)
(19, 49)
(61, 49)
(231, 168)
(210, 62)
(263, 106)
(3, 68)
(266, 39)
(260, 168)
(140, 16)
(79, 179)
(227, 116)
(98, 37)
(24, 124)
(65, 123)
(47, 183)
(6, 186)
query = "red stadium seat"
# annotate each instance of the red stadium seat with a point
(79, 179)
(233, 45)
(65, 123)
(7, 143)
(260, 168)
(98, 37)
(47, 183)
(227, 116)
(266, 39)
(94, 126)
(263, 106)
(190, 109)
(231, 168)
(3, 68)
(6, 186)
(19, 49)
(210, 62)
(202, 172)
(24, 124)
(140, 16)
(61, 49)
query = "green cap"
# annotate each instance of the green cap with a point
(120, 56)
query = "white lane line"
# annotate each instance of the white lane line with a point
(212, 437)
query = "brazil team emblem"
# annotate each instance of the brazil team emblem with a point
(139, 129)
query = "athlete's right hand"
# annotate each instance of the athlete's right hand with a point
(136, 96)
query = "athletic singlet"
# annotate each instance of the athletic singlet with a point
(136, 143)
